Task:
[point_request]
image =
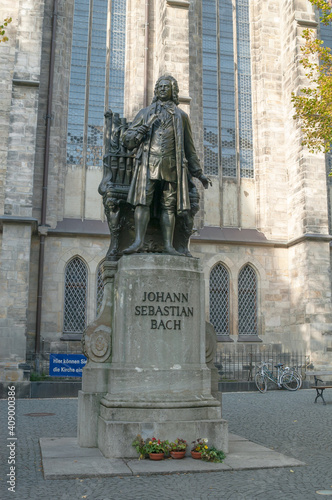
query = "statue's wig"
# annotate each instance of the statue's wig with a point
(174, 85)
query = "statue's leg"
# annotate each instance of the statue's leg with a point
(167, 218)
(141, 218)
(188, 224)
(167, 222)
(113, 219)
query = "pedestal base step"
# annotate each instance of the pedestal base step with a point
(115, 438)
(62, 458)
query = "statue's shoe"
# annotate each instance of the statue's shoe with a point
(171, 251)
(134, 248)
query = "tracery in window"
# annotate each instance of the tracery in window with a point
(219, 299)
(75, 302)
(227, 103)
(100, 289)
(247, 296)
(96, 81)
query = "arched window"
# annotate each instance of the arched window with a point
(100, 288)
(76, 281)
(96, 77)
(247, 293)
(227, 102)
(219, 299)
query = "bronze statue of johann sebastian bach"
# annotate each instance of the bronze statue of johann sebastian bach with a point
(159, 142)
(165, 160)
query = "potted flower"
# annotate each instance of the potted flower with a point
(197, 447)
(139, 445)
(156, 448)
(177, 448)
(212, 454)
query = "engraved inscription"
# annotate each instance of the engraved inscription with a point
(165, 317)
(165, 297)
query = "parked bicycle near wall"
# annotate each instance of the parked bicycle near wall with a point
(296, 373)
(285, 377)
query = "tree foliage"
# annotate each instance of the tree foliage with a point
(4, 25)
(325, 7)
(313, 107)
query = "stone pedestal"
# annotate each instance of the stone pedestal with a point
(94, 387)
(158, 381)
(97, 346)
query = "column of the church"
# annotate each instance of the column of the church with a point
(309, 247)
(22, 53)
(268, 119)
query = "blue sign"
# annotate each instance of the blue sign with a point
(67, 365)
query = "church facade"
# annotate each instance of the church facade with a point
(263, 228)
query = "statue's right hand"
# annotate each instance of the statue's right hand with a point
(206, 181)
(142, 129)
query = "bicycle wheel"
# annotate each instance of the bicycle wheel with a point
(290, 382)
(296, 374)
(299, 377)
(261, 382)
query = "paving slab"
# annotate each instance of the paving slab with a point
(235, 437)
(84, 467)
(63, 458)
(171, 466)
(245, 447)
(263, 461)
(244, 455)
(287, 426)
(65, 448)
(260, 459)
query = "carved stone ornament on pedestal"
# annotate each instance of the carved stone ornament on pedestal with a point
(97, 338)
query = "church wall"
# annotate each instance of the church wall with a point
(58, 130)
(15, 262)
(19, 90)
(271, 267)
(7, 60)
(135, 54)
(307, 210)
(59, 251)
(286, 200)
(268, 119)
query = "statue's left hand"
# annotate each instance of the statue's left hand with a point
(206, 181)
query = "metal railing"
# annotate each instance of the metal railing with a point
(241, 366)
(39, 363)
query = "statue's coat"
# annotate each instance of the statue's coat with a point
(186, 156)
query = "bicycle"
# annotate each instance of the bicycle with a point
(285, 378)
(296, 373)
(307, 365)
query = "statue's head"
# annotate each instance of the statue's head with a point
(159, 89)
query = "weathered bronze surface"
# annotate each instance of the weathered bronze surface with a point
(147, 188)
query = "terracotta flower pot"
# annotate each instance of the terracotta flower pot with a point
(156, 456)
(178, 454)
(196, 454)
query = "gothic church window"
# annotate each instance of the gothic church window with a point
(247, 301)
(219, 299)
(76, 283)
(97, 76)
(100, 289)
(227, 102)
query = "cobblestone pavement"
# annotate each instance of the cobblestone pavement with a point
(287, 422)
